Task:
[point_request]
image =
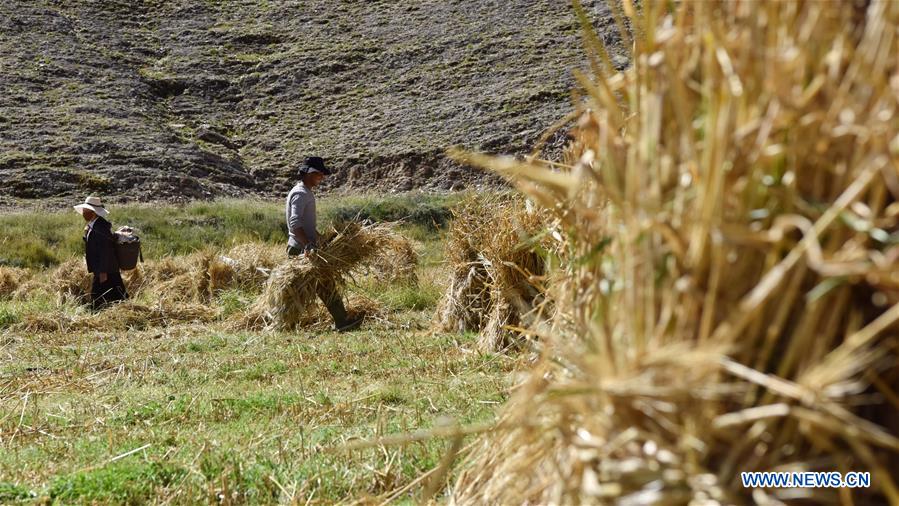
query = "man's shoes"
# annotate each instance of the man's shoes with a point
(349, 325)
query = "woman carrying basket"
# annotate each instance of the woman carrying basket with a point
(99, 251)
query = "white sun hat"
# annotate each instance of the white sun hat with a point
(94, 204)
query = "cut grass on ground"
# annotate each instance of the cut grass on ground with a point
(232, 413)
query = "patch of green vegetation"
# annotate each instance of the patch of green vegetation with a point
(252, 442)
(152, 74)
(8, 317)
(430, 211)
(32, 250)
(13, 157)
(202, 346)
(35, 239)
(10, 492)
(233, 301)
(93, 182)
(392, 396)
(248, 57)
(147, 411)
(120, 484)
(265, 371)
(249, 483)
(411, 297)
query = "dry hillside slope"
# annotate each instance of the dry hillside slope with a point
(179, 99)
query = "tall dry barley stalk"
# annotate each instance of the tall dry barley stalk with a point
(731, 288)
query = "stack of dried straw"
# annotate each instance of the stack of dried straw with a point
(199, 276)
(188, 278)
(396, 261)
(11, 278)
(494, 282)
(731, 293)
(70, 281)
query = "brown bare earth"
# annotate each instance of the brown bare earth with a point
(179, 100)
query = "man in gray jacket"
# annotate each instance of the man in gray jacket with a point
(303, 236)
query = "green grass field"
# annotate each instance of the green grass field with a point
(29, 239)
(189, 413)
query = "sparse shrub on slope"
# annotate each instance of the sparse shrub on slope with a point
(729, 299)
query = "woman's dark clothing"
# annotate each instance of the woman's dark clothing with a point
(111, 291)
(99, 247)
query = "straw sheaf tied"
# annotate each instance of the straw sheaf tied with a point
(70, 281)
(729, 304)
(396, 261)
(182, 279)
(494, 285)
(199, 276)
(246, 266)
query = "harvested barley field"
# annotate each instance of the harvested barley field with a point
(700, 291)
(199, 390)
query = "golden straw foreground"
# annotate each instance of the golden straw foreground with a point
(730, 293)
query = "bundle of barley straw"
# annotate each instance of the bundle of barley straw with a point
(245, 266)
(395, 262)
(291, 291)
(198, 276)
(731, 288)
(70, 281)
(492, 288)
(11, 278)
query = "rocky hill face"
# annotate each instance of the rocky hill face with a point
(185, 99)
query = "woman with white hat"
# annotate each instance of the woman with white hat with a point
(99, 251)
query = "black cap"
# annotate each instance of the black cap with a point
(314, 163)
